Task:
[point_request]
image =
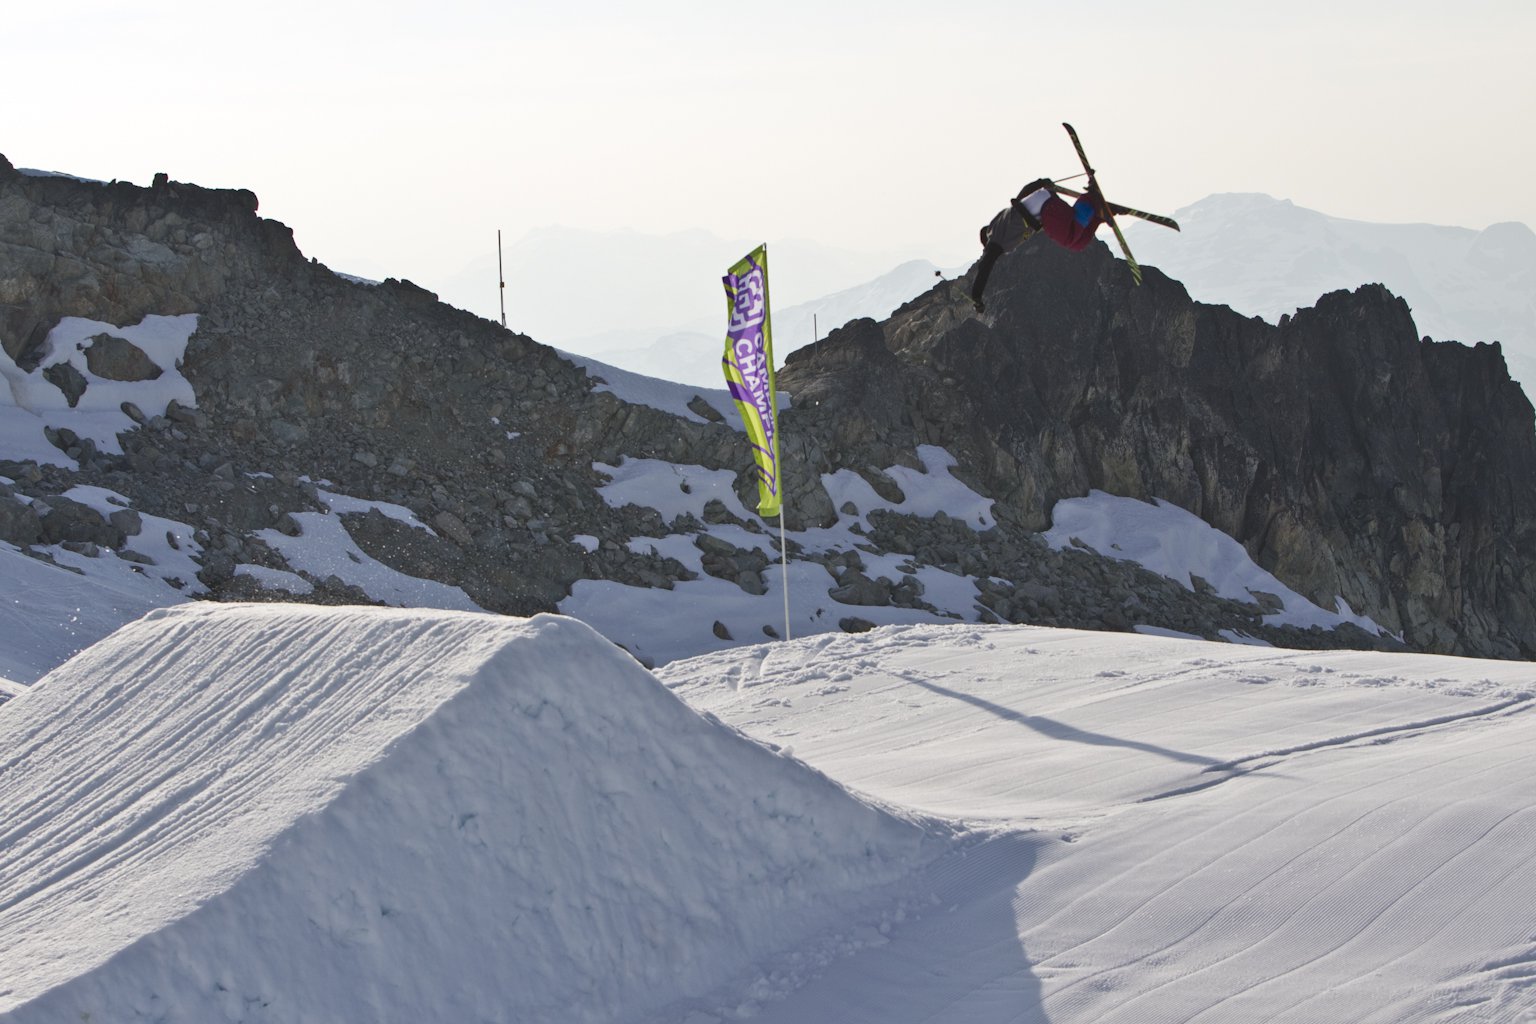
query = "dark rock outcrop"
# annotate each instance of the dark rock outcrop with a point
(1350, 457)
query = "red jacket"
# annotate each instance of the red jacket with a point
(1072, 226)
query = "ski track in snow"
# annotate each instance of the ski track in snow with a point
(1366, 853)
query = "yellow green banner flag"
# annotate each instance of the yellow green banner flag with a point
(748, 364)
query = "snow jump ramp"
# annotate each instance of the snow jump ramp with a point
(293, 813)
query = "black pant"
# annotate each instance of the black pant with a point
(989, 255)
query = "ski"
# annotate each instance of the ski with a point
(1109, 216)
(1124, 211)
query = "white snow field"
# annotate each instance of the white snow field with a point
(50, 612)
(1217, 833)
(291, 813)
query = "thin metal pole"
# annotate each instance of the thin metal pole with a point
(784, 543)
(501, 275)
(784, 561)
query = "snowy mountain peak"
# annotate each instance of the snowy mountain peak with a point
(1507, 249)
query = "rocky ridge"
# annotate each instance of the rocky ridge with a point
(1349, 457)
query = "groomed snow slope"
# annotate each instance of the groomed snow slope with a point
(1223, 834)
(291, 813)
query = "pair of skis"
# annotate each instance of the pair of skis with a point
(1111, 209)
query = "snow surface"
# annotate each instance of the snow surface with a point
(277, 812)
(169, 548)
(33, 172)
(49, 612)
(324, 549)
(1178, 544)
(32, 403)
(666, 395)
(288, 813)
(1215, 833)
(662, 625)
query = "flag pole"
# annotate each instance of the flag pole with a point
(501, 276)
(783, 543)
(784, 562)
(778, 448)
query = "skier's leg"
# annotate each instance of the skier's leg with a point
(1069, 226)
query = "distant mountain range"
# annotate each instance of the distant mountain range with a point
(585, 290)
(651, 304)
(691, 355)
(1267, 257)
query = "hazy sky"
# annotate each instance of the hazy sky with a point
(396, 138)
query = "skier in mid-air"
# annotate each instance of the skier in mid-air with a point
(1037, 207)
